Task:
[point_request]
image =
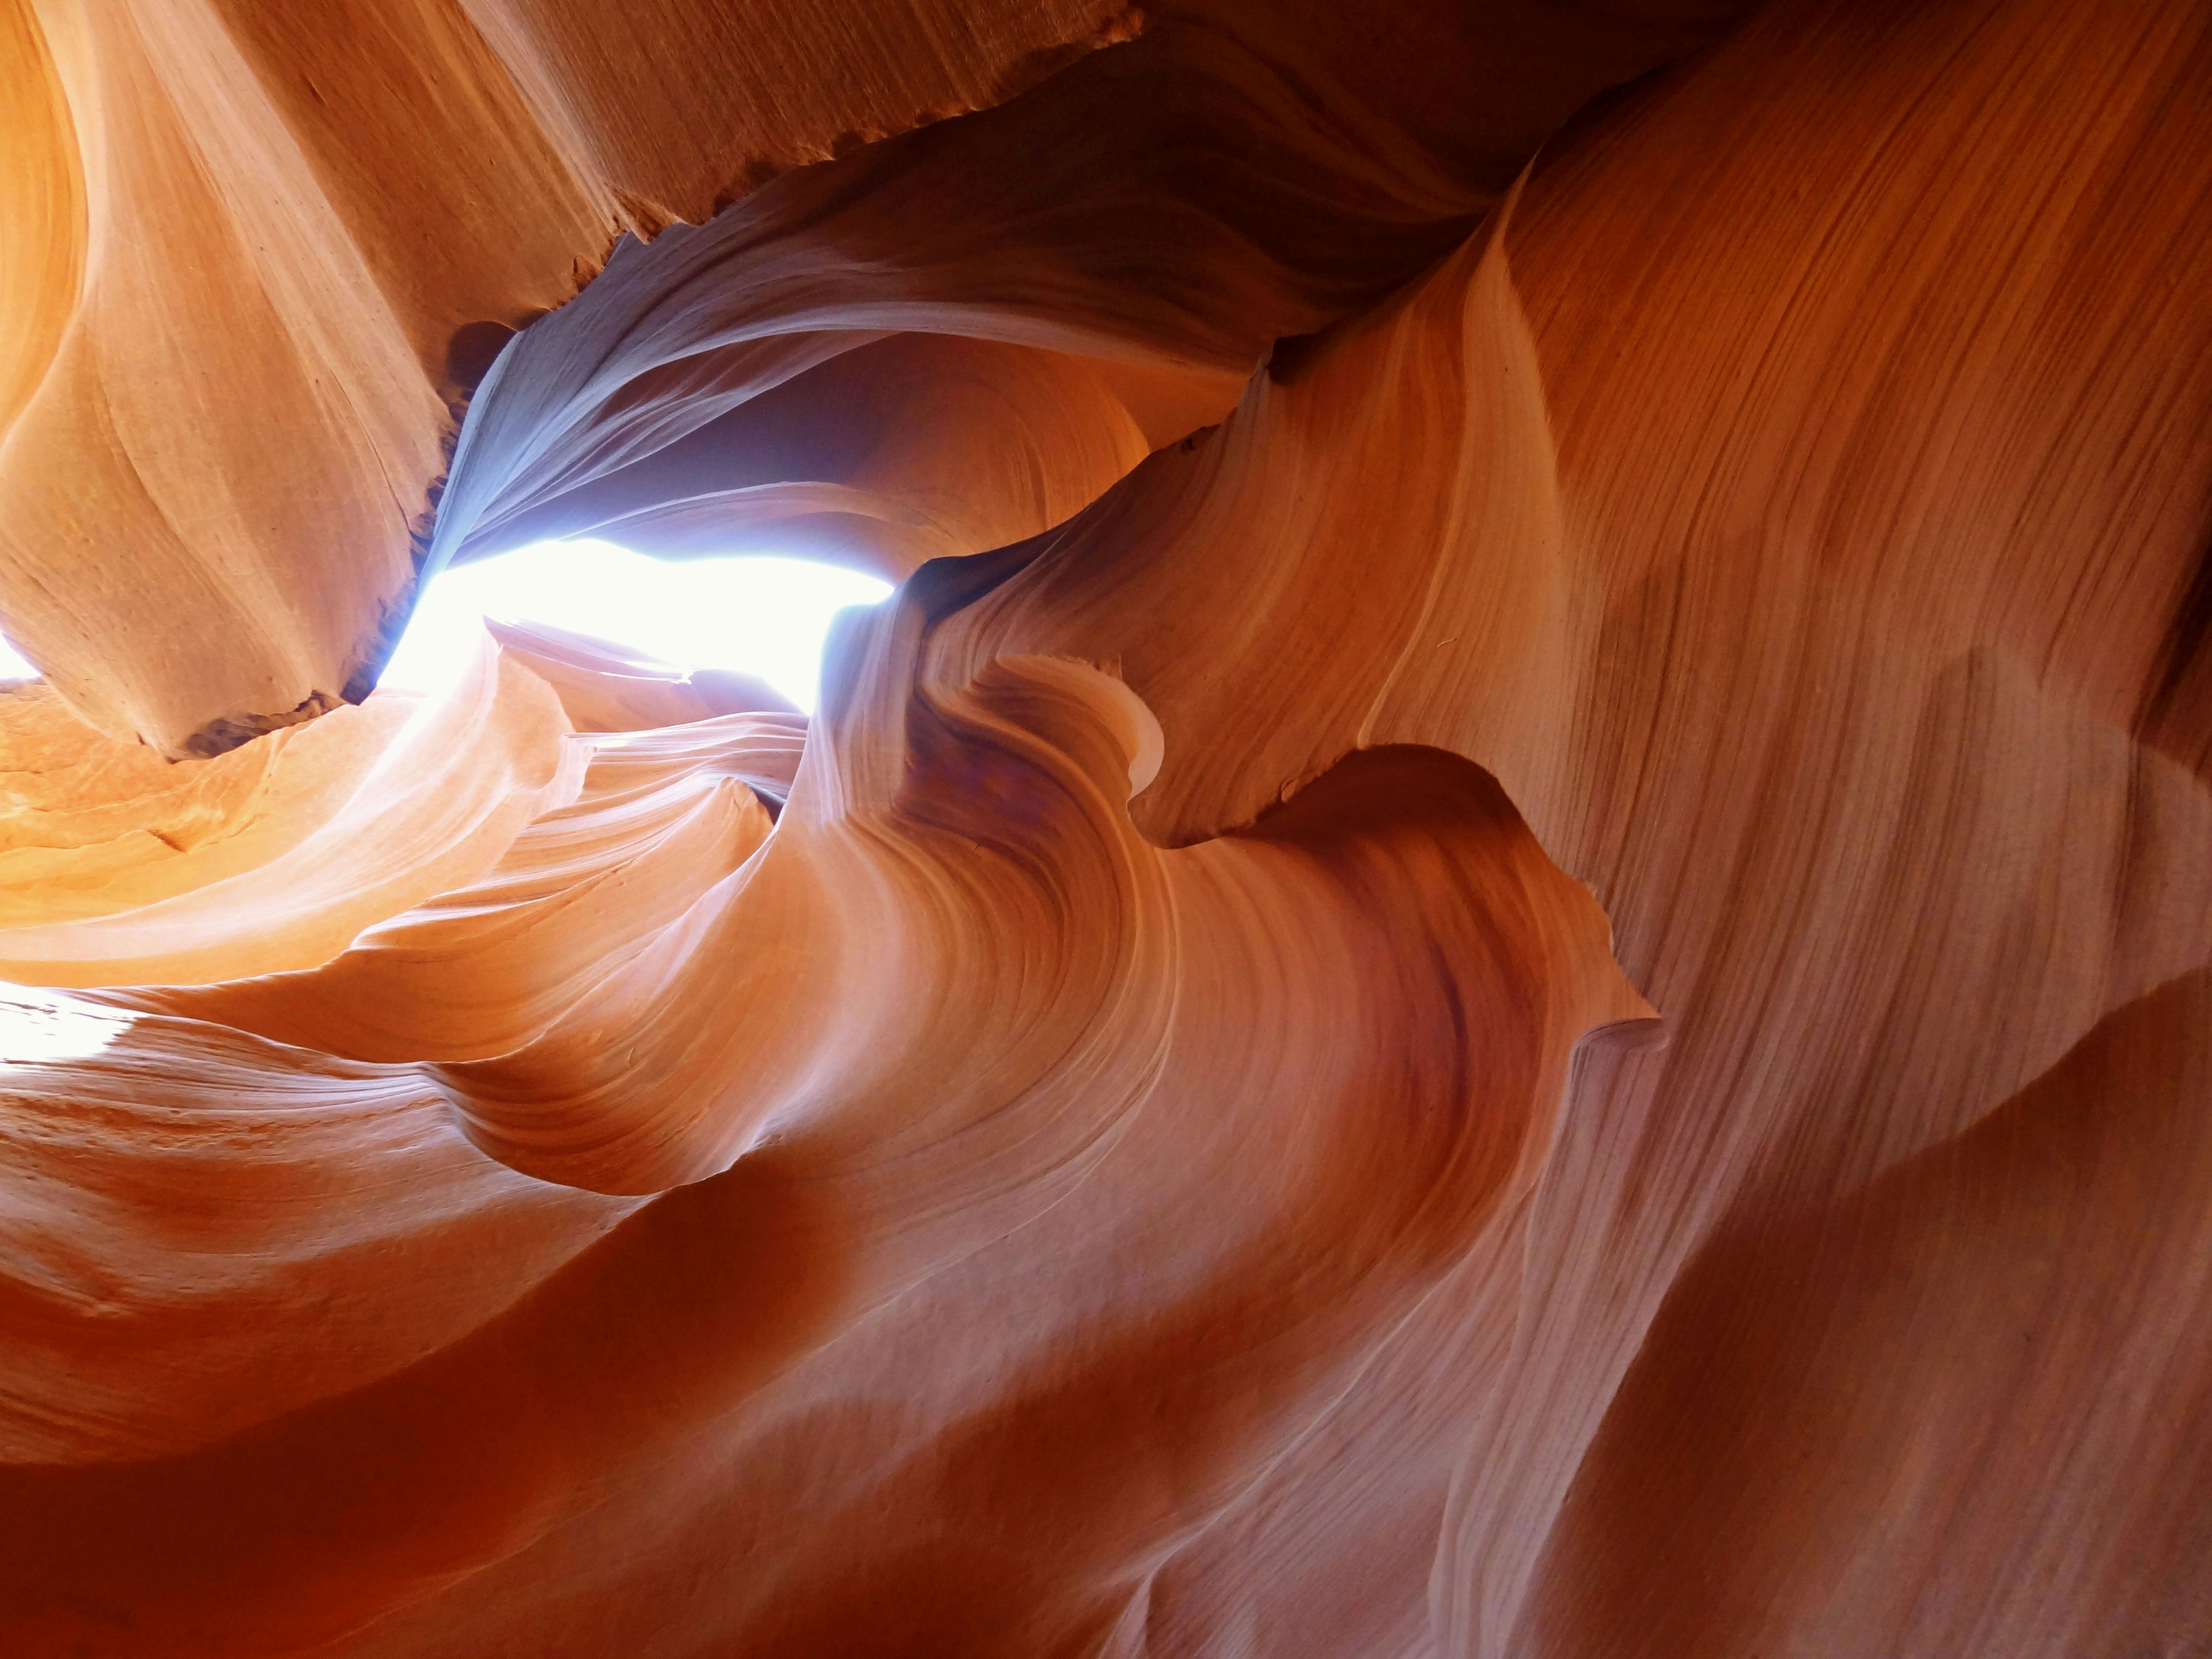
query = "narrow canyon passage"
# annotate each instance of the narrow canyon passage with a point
(1486, 935)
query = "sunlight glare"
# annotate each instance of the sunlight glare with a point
(45, 1027)
(762, 616)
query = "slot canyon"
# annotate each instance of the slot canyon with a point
(1503, 950)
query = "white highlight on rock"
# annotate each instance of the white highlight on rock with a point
(765, 616)
(48, 1025)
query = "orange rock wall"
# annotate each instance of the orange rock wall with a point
(1502, 952)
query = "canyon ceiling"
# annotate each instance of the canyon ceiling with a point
(1504, 952)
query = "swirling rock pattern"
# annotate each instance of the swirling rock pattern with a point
(1502, 951)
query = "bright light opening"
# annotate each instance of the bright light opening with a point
(44, 1027)
(14, 665)
(765, 617)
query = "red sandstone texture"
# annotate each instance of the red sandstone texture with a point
(1505, 951)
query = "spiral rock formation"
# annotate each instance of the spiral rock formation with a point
(1504, 950)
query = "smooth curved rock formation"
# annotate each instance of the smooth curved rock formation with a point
(1502, 952)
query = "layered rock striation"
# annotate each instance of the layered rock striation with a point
(1502, 951)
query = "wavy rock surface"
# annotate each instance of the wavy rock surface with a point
(1502, 951)
(246, 223)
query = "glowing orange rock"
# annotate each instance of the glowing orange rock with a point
(1502, 952)
(437, 801)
